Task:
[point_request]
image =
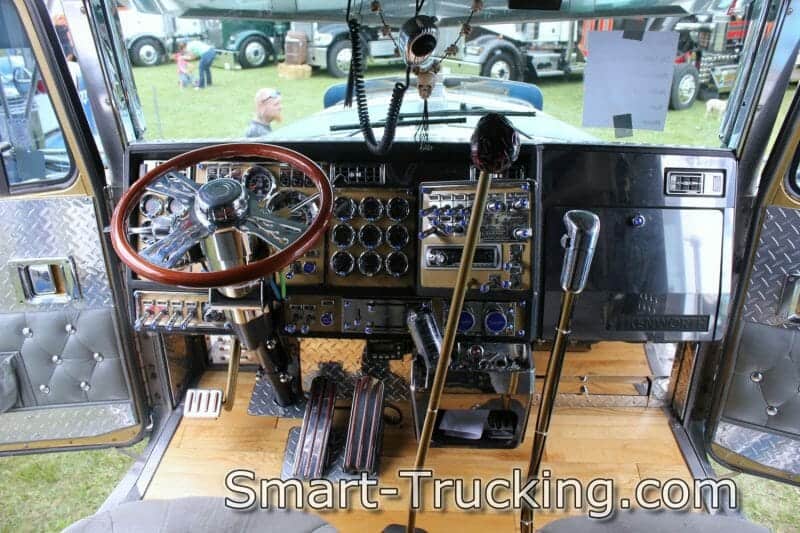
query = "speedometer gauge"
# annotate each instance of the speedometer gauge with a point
(259, 181)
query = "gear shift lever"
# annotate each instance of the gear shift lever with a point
(583, 228)
(494, 148)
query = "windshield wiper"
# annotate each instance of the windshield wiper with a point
(402, 122)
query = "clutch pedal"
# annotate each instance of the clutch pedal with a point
(311, 453)
(365, 429)
(202, 403)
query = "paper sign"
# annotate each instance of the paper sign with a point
(628, 81)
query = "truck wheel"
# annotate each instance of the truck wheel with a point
(254, 52)
(685, 86)
(339, 56)
(147, 52)
(501, 66)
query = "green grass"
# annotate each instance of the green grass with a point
(49, 492)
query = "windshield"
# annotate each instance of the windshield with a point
(663, 77)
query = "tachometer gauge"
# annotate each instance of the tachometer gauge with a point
(294, 205)
(151, 206)
(259, 181)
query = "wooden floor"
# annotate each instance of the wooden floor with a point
(624, 444)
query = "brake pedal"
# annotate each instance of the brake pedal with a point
(365, 428)
(202, 403)
(311, 453)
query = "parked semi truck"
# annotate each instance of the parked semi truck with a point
(247, 43)
(706, 61)
(328, 46)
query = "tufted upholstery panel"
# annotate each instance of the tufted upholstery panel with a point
(765, 390)
(66, 356)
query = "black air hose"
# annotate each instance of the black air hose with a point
(358, 85)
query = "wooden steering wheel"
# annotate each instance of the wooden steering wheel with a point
(219, 205)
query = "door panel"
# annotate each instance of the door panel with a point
(761, 414)
(69, 372)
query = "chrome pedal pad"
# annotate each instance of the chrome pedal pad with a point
(202, 403)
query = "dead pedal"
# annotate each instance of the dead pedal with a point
(311, 453)
(365, 428)
(202, 403)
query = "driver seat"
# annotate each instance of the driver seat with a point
(193, 515)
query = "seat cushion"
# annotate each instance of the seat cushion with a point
(654, 522)
(193, 515)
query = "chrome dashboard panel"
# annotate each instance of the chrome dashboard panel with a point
(670, 283)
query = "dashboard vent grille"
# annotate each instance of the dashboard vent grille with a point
(358, 173)
(695, 182)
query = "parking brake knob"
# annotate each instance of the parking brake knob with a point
(583, 228)
(495, 144)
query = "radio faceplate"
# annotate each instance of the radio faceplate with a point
(503, 257)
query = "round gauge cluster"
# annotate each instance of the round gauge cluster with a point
(369, 236)
(259, 181)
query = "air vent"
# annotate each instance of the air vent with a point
(695, 183)
(358, 174)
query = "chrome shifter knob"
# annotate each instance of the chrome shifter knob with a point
(583, 229)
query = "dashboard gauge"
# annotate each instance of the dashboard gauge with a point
(397, 236)
(396, 264)
(397, 208)
(343, 235)
(259, 181)
(175, 207)
(370, 263)
(344, 208)
(342, 263)
(151, 206)
(370, 236)
(294, 206)
(371, 208)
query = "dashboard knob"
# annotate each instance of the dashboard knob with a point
(427, 233)
(436, 258)
(326, 319)
(309, 267)
(304, 329)
(368, 328)
(520, 205)
(290, 328)
(495, 207)
(523, 233)
(495, 322)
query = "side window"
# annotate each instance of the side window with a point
(32, 143)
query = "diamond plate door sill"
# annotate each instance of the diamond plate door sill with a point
(769, 449)
(65, 422)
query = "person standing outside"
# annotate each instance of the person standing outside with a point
(206, 54)
(268, 109)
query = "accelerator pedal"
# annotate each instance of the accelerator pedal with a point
(202, 403)
(311, 453)
(365, 429)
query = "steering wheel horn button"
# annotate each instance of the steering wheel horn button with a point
(222, 200)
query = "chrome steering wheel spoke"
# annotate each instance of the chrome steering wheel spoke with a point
(175, 186)
(277, 231)
(168, 251)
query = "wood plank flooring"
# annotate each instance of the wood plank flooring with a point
(624, 444)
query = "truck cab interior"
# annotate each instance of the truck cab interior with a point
(479, 291)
